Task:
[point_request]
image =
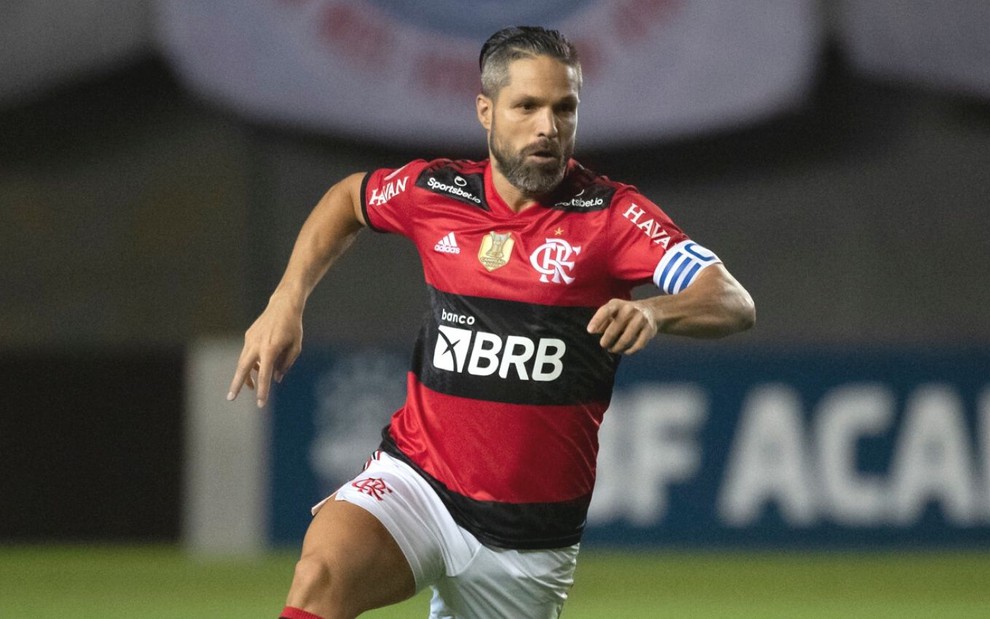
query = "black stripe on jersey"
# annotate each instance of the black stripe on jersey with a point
(448, 181)
(512, 352)
(518, 526)
(364, 202)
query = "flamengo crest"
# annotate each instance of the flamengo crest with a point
(554, 260)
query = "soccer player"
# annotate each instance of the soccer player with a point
(482, 481)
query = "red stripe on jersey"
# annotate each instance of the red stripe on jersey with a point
(491, 451)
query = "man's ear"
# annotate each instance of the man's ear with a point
(485, 108)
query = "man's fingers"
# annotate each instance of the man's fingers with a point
(286, 362)
(625, 336)
(271, 346)
(625, 328)
(610, 321)
(600, 321)
(640, 343)
(242, 376)
(265, 371)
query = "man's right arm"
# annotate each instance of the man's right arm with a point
(274, 341)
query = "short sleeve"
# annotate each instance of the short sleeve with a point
(647, 246)
(386, 198)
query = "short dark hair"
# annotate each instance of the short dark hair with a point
(517, 42)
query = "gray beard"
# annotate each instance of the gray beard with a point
(529, 178)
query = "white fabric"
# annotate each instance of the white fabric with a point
(469, 580)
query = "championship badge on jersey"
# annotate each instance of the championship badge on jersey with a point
(496, 249)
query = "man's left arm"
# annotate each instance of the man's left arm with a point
(714, 305)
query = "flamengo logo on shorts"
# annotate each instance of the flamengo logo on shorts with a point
(480, 353)
(554, 260)
(447, 245)
(372, 486)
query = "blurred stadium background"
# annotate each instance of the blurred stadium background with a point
(157, 158)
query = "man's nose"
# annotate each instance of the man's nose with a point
(546, 124)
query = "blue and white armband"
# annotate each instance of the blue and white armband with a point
(680, 265)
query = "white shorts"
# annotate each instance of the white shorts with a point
(469, 580)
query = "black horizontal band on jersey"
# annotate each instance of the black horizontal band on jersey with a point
(517, 526)
(587, 371)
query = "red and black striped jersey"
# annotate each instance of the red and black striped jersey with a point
(507, 388)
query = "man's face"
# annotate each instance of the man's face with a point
(532, 122)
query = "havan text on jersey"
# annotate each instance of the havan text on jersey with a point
(389, 191)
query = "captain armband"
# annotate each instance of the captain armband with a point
(680, 265)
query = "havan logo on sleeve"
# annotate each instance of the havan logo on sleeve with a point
(649, 226)
(381, 195)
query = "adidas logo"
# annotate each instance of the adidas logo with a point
(447, 245)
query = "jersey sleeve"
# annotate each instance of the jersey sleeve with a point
(386, 198)
(646, 245)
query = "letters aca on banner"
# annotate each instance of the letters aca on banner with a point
(706, 446)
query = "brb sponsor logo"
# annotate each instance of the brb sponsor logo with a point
(480, 353)
(457, 189)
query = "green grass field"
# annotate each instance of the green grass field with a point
(118, 582)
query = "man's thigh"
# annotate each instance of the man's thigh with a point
(365, 565)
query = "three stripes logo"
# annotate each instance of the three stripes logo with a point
(447, 245)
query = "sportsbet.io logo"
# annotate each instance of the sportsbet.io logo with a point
(480, 353)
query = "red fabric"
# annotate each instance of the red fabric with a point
(290, 612)
(518, 453)
(511, 442)
(619, 246)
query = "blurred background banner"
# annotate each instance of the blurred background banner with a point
(819, 448)
(934, 43)
(407, 72)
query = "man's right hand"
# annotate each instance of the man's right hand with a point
(271, 346)
(273, 342)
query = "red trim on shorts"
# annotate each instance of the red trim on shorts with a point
(290, 612)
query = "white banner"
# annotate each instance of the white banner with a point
(942, 43)
(50, 42)
(406, 72)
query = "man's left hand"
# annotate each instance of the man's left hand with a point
(625, 326)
